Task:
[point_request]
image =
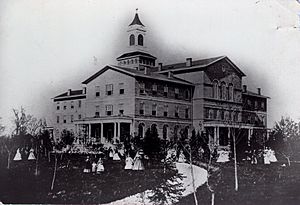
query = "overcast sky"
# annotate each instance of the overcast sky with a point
(47, 47)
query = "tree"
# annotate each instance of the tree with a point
(67, 137)
(285, 138)
(152, 142)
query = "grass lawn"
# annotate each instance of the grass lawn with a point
(258, 184)
(20, 185)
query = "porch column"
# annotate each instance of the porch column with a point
(228, 135)
(215, 136)
(250, 132)
(132, 128)
(101, 133)
(119, 130)
(89, 132)
(115, 131)
(218, 135)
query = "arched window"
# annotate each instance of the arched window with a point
(165, 131)
(215, 89)
(131, 40)
(140, 40)
(223, 91)
(230, 92)
(141, 130)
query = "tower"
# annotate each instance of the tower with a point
(137, 56)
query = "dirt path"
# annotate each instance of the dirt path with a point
(186, 184)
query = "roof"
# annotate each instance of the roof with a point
(254, 94)
(136, 73)
(136, 21)
(202, 63)
(73, 92)
(136, 53)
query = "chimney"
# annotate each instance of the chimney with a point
(244, 88)
(170, 74)
(159, 66)
(259, 91)
(188, 62)
(69, 92)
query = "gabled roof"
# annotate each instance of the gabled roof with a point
(72, 93)
(136, 53)
(136, 21)
(202, 63)
(254, 94)
(136, 73)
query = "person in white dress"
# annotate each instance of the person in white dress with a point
(181, 157)
(138, 164)
(94, 166)
(266, 155)
(272, 156)
(116, 156)
(111, 153)
(128, 163)
(223, 156)
(31, 155)
(100, 167)
(18, 156)
(88, 166)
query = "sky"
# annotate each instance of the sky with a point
(47, 47)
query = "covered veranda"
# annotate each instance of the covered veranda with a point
(103, 129)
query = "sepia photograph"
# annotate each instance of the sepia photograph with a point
(138, 102)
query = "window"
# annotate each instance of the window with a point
(72, 105)
(215, 89)
(131, 40)
(65, 119)
(187, 112)
(121, 87)
(165, 110)
(154, 89)
(142, 108)
(223, 91)
(255, 104)
(215, 114)
(109, 110)
(140, 40)
(263, 105)
(79, 103)
(72, 118)
(210, 114)
(97, 91)
(57, 107)
(187, 94)
(142, 88)
(222, 115)
(176, 111)
(230, 92)
(154, 106)
(79, 117)
(121, 109)
(141, 130)
(166, 91)
(57, 119)
(97, 111)
(176, 93)
(165, 131)
(109, 89)
(65, 106)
